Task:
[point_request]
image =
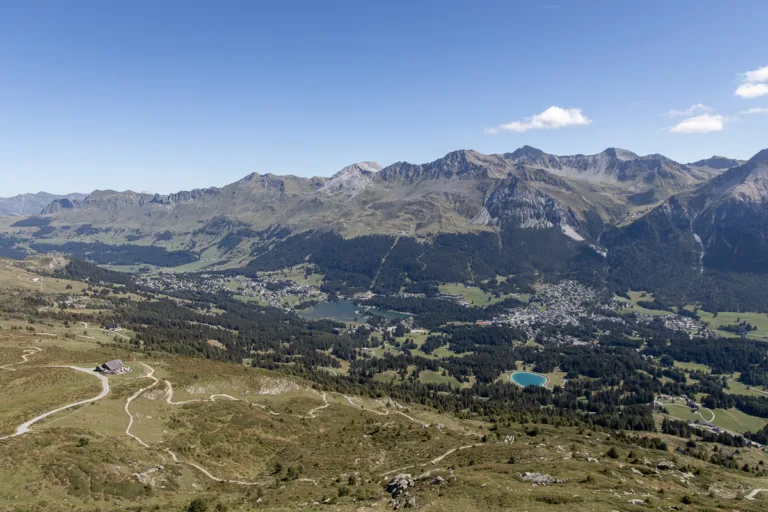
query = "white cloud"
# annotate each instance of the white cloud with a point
(755, 110)
(704, 123)
(752, 90)
(698, 107)
(757, 75)
(753, 83)
(552, 118)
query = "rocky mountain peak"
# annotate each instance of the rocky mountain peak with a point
(351, 180)
(359, 167)
(526, 152)
(620, 154)
(59, 204)
(721, 163)
(760, 158)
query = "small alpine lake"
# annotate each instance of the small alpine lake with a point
(528, 379)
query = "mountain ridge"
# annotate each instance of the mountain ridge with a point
(465, 191)
(31, 203)
(458, 158)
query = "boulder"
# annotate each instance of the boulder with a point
(539, 479)
(399, 484)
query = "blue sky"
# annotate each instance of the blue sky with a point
(170, 95)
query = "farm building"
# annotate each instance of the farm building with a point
(113, 367)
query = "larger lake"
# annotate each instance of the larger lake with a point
(345, 311)
(528, 379)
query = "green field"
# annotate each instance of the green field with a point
(729, 419)
(759, 320)
(430, 377)
(635, 297)
(476, 296)
(682, 412)
(693, 367)
(737, 421)
(298, 276)
(737, 388)
(208, 257)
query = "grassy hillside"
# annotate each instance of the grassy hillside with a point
(237, 438)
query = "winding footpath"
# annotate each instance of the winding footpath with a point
(169, 397)
(169, 400)
(150, 375)
(352, 401)
(433, 461)
(212, 398)
(24, 358)
(311, 414)
(24, 427)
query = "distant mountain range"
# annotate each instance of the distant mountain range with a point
(464, 191)
(31, 204)
(651, 222)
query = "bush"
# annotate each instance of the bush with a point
(197, 505)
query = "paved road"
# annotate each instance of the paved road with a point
(24, 427)
(755, 492)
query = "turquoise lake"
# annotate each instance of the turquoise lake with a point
(528, 379)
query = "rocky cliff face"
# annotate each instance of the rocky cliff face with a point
(59, 205)
(731, 217)
(516, 201)
(463, 165)
(185, 197)
(617, 166)
(351, 180)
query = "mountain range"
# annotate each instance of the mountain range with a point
(464, 191)
(31, 204)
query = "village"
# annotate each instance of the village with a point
(268, 291)
(567, 303)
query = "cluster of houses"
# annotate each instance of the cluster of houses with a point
(561, 304)
(239, 285)
(453, 297)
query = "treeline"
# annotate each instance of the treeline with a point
(686, 431)
(10, 249)
(658, 253)
(79, 270)
(737, 355)
(430, 313)
(32, 222)
(105, 254)
(351, 264)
